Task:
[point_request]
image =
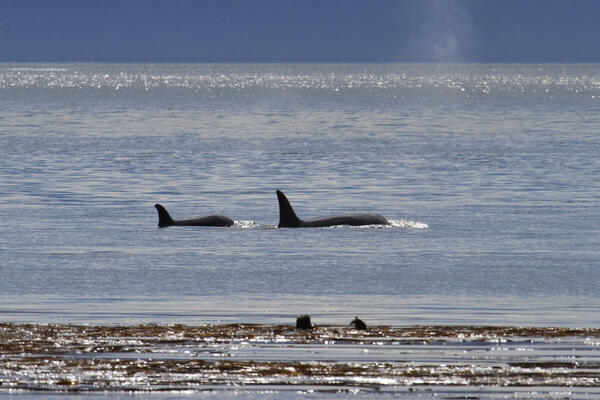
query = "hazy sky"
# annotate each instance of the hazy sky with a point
(300, 30)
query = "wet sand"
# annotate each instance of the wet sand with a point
(160, 358)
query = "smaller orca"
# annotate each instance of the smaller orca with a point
(164, 219)
(289, 219)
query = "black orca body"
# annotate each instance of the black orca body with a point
(289, 219)
(164, 219)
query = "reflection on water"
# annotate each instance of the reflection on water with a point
(155, 358)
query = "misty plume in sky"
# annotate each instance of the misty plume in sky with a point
(444, 32)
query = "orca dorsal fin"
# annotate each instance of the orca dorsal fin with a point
(287, 216)
(164, 219)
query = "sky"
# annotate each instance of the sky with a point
(525, 31)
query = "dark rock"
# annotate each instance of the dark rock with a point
(303, 322)
(359, 324)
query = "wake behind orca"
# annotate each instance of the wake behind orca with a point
(289, 219)
(164, 219)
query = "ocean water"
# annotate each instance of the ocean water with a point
(489, 172)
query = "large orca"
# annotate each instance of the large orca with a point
(289, 219)
(164, 219)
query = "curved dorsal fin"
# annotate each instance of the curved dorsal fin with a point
(287, 216)
(164, 219)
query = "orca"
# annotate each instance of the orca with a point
(289, 219)
(164, 219)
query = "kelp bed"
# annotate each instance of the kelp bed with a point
(79, 358)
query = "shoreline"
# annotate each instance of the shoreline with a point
(155, 358)
(255, 328)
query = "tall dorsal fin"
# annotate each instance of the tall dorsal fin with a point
(164, 219)
(287, 216)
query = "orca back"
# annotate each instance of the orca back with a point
(289, 219)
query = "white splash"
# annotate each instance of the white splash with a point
(402, 223)
(245, 224)
(394, 223)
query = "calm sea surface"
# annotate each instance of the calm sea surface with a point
(491, 174)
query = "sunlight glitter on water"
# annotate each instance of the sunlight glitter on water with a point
(85, 358)
(461, 79)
